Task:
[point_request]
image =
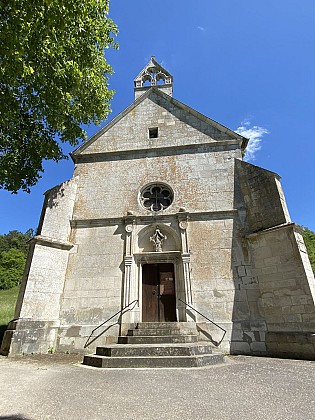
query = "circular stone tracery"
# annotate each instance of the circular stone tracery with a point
(156, 197)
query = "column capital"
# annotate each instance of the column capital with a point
(128, 260)
(185, 257)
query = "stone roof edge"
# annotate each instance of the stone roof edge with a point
(56, 187)
(110, 124)
(176, 102)
(286, 225)
(243, 162)
(125, 154)
(209, 121)
(52, 242)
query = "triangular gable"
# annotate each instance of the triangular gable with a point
(127, 131)
(158, 69)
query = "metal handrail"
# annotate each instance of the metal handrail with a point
(212, 322)
(87, 343)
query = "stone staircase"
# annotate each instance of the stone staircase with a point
(156, 345)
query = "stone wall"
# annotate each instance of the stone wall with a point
(177, 126)
(286, 285)
(211, 270)
(93, 288)
(201, 181)
(57, 211)
(167, 89)
(210, 243)
(37, 321)
(287, 290)
(263, 197)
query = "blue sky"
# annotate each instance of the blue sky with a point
(243, 63)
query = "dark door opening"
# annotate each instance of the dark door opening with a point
(158, 293)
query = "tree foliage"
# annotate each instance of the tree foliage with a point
(13, 252)
(17, 240)
(53, 79)
(309, 239)
(12, 264)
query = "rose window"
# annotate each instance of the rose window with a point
(156, 197)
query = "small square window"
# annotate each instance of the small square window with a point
(153, 133)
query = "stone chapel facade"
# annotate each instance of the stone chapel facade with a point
(164, 218)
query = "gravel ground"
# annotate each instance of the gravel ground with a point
(59, 387)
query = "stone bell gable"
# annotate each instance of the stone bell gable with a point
(153, 74)
(164, 222)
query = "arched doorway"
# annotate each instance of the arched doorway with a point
(158, 293)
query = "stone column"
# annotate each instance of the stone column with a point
(130, 294)
(185, 256)
(127, 279)
(129, 227)
(187, 282)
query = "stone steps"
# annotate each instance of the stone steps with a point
(154, 332)
(162, 325)
(117, 350)
(156, 345)
(153, 361)
(157, 339)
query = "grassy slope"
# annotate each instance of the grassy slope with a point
(7, 306)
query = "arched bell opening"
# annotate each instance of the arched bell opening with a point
(160, 78)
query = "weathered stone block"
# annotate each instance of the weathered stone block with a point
(257, 347)
(238, 347)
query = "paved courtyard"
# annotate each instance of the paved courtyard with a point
(54, 387)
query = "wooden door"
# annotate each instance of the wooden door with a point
(150, 293)
(158, 293)
(167, 301)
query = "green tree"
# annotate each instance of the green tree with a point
(309, 239)
(53, 79)
(13, 252)
(12, 263)
(17, 240)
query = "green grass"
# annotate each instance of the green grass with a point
(7, 306)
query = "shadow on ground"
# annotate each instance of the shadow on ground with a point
(14, 417)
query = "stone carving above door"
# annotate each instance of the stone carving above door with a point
(158, 238)
(144, 243)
